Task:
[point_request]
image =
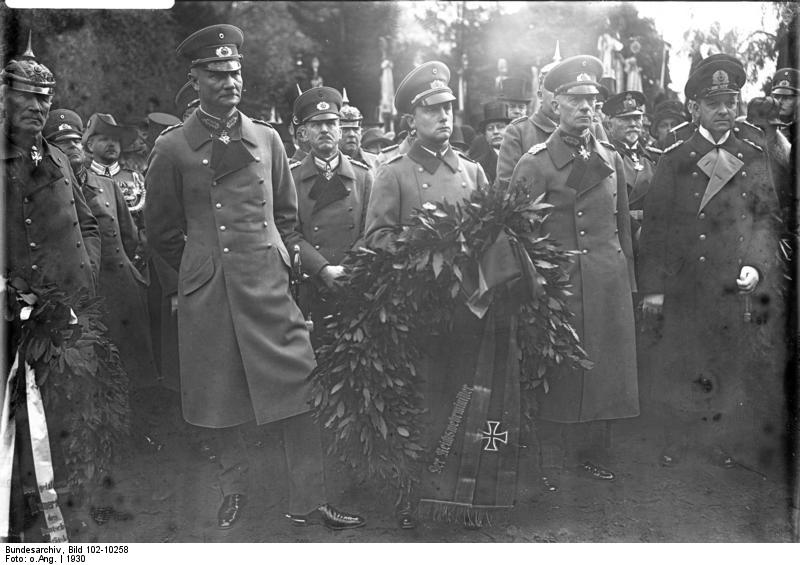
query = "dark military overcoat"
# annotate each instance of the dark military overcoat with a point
(245, 351)
(122, 285)
(695, 239)
(50, 232)
(484, 154)
(593, 220)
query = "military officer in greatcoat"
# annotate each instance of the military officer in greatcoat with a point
(526, 131)
(332, 192)
(50, 237)
(222, 211)
(584, 180)
(350, 144)
(708, 269)
(625, 111)
(64, 129)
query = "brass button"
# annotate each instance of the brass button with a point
(739, 155)
(28, 221)
(107, 205)
(213, 183)
(66, 181)
(585, 251)
(78, 244)
(694, 173)
(744, 173)
(269, 246)
(702, 259)
(697, 195)
(316, 228)
(580, 213)
(744, 195)
(266, 224)
(316, 246)
(218, 205)
(741, 238)
(702, 215)
(420, 169)
(425, 185)
(205, 161)
(463, 183)
(702, 237)
(744, 216)
(34, 267)
(225, 250)
(121, 264)
(258, 159)
(692, 153)
(222, 228)
(26, 200)
(33, 245)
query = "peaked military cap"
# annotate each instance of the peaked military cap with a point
(63, 124)
(426, 85)
(316, 104)
(786, 81)
(575, 75)
(105, 124)
(494, 111)
(626, 103)
(512, 89)
(214, 48)
(158, 122)
(717, 74)
(27, 75)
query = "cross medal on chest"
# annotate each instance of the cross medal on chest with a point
(636, 164)
(36, 157)
(224, 136)
(584, 153)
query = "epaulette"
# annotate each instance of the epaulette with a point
(537, 148)
(390, 148)
(263, 123)
(673, 146)
(393, 159)
(170, 128)
(653, 149)
(463, 156)
(750, 125)
(294, 164)
(753, 143)
(361, 164)
(518, 120)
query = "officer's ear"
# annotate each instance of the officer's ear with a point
(192, 76)
(301, 133)
(555, 106)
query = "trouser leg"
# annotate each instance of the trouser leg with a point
(232, 457)
(302, 444)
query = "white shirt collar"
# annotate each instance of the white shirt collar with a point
(707, 134)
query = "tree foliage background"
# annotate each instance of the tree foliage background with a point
(114, 60)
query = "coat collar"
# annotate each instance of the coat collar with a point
(308, 169)
(542, 122)
(197, 134)
(429, 161)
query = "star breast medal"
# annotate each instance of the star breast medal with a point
(584, 153)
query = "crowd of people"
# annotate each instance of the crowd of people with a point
(681, 219)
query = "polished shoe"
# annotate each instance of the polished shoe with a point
(230, 510)
(595, 471)
(329, 517)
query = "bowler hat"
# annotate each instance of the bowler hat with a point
(426, 85)
(214, 48)
(494, 111)
(63, 124)
(105, 124)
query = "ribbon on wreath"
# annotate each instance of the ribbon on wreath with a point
(42, 458)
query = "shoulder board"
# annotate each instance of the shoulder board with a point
(393, 159)
(537, 148)
(653, 149)
(463, 156)
(679, 126)
(294, 164)
(673, 146)
(170, 128)
(390, 148)
(263, 123)
(754, 144)
(361, 164)
(748, 125)
(607, 144)
(518, 120)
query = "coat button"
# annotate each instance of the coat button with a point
(34, 267)
(316, 228)
(694, 173)
(420, 169)
(582, 232)
(585, 251)
(739, 155)
(260, 180)
(222, 228)
(214, 183)
(744, 173)
(72, 201)
(692, 153)
(463, 184)
(82, 264)
(205, 161)
(744, 216)
(28, 221)
(33, 245)
(117, 249)
(75, 223)
(702, 237)
(316, 246)
(266, 224)
(218, 205)
(425, 185)
(741, 238)
(349, 190)
(744, 195)
(108, 205)
(263, 202)
(225, 250)
(352, 226)
(121, 264)
(77, 244)
(702, 215)
(66, 181)
(269, 246)
(258, 159)
(697, 195)
(580, 213)
(26, 200)
(100, 190)
(702, 259)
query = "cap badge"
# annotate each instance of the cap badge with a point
(629, 103)
(323, 106)
(583, 77)
(64, 126)
(784, 82)
(438, 83)
(434, 70)
(224, 50)
(719, 79)
(222, 36)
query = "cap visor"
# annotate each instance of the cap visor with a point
(629, 114)
(785, 90)
(437, 98)
(322, 117)
(59, 135)
(584, 88)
